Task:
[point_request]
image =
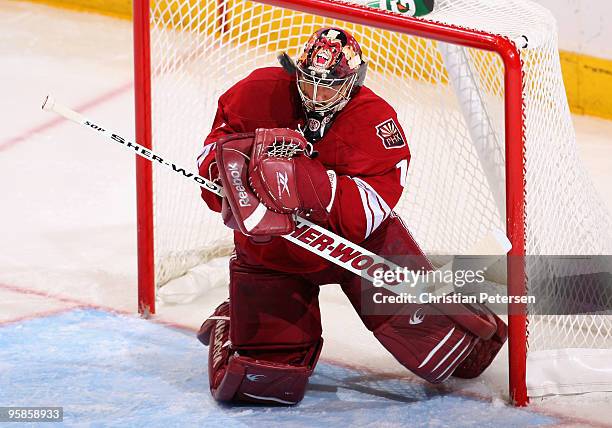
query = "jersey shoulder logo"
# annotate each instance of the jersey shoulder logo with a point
(390, 134)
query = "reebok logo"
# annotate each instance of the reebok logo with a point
(417, 317)
(243, 197)
(282, 182)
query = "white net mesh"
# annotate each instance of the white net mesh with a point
(450, 103)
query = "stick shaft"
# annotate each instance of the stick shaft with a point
(306, 232)
(156, 158)
(305, 229)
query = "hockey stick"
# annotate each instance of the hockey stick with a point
(307, 235)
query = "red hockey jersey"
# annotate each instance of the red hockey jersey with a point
(365, 146)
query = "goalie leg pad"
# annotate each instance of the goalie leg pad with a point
(393, 241)
(265, 377)
(431, 349)
(430, 340)
(257, 378)
(484, 352)
(274, 310)
(265, 341)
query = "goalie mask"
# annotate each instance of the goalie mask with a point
(329, 72)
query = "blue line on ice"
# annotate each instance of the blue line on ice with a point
(112, 370)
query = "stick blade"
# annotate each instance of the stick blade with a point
(494, 243)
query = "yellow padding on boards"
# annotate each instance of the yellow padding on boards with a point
(588, 80)
(588, 83)
(116, 8)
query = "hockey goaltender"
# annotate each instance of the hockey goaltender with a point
(309, 138)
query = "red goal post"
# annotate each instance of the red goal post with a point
(514, 147)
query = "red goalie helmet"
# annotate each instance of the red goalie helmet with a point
(330, 70)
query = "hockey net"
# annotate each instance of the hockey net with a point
(450, 99)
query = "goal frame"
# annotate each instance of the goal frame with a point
(514, 149)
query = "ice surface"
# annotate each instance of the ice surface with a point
(113, 370)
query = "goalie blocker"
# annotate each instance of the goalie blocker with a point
(267, 177)
(265, 342)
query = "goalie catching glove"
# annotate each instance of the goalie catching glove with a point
(267, 177)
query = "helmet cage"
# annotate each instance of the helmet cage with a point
(342, 90)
